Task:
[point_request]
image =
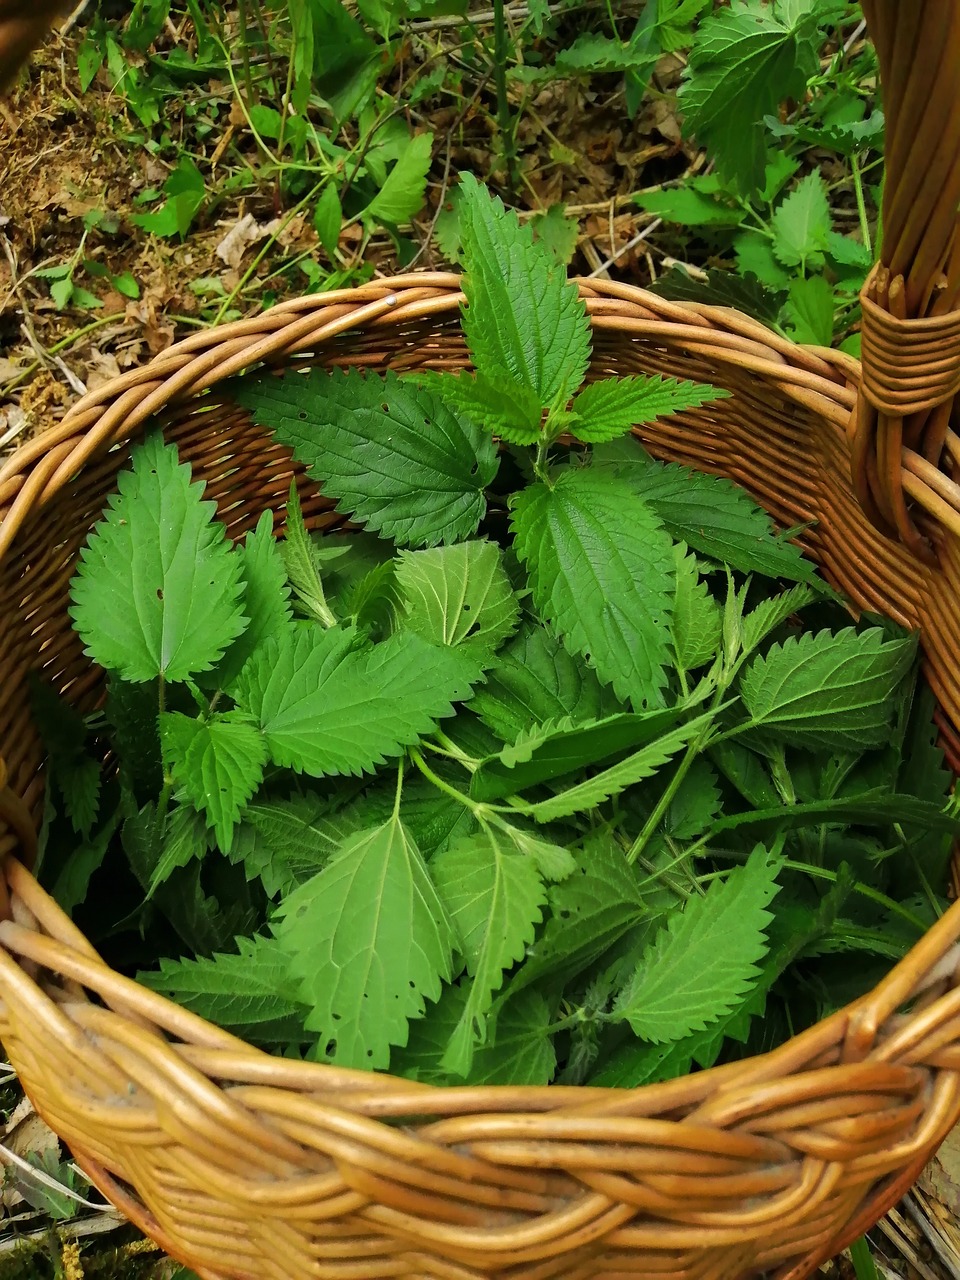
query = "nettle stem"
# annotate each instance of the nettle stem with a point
(508, 145)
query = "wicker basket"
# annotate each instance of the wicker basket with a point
(254, 1168)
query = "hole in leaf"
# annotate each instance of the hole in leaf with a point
(385, 407)
(159, 593)
(302, 415)
(330, 1048)
(466, 608)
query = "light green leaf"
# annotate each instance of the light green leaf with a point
(184, 191)
(401, 196)
(703, 962)
(801, 225)
(558, 232)
(216, 764)
(326, 707)
(698, 202)
(185, 838)
(521, 314)
(824, 690)
(368, 940)
(328, 218)
(696, 623)
(559, 747)
(395, 456)
(458, 596)
(535, 680)
(493, 399)
(302, 563)
(607, 408)
(157, 590)
(770, 613)
(745, 60)
(494, 897)
(251, 994)
(601, 569)
(810, 308)
(266, 598)
(755, 256)
(610, 782)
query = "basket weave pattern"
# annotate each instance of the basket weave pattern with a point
(248, 1167)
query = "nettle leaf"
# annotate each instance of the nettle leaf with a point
(536, 680)
(301, 563)
(560, 747)
(744, 62)
(71, 885)
(801, 225)
(710, 513)
(875, 808)
(829, 690)
(601, 569)
(770, 613)
(518, 1052)
(696, 624)
(401, 195)
(608, 408)
(327, 707)
(610, 782)
(458, 596)
(216, 763)
(589, 912)
(285, 842)
(810, 310)
(251, 993)
(695, 805)
(157, 590)
(697, 202)
(494, 896)
(522, 315)
(372, 602)
(394, 455)
(184, 838)
(368, 940)
(266, 598)
(703, 962)
(493, 399)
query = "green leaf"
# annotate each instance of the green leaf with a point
(286, 842)
(589, 912)
(536, 680)
(328, 218)
(601, 571)
(828, 690)
(744, 62)
(721, 288)
(522, 315)
(695, 805)
(131, 713)
(703, 962)
(810, 308)
(755, 256)
(401, 196)
(494, 896)
(607, 408)
(184, 839)
(368, 940)
(610, 782)
(494, 400)
(157, 590)
(301, 563)
(185, 193)
(801, 225)
(266, 598)
(395, 457)
(216, 764)
(712, 515)
(251, 994)
(372, 601)
(558, 232)
(698, 202)
(326, 707)
(519, 1051)
(559, 747)
(696, 623)
(70, 887)
(458, 596)
(770, 613)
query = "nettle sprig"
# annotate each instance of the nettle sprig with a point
(501, 786)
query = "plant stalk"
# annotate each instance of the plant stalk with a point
(508, 145)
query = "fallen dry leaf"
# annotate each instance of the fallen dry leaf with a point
(235, 243)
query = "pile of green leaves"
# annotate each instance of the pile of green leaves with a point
(564, 767)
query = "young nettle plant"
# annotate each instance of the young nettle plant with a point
(502, 787)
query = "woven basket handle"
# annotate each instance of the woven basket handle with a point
(900, 430)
